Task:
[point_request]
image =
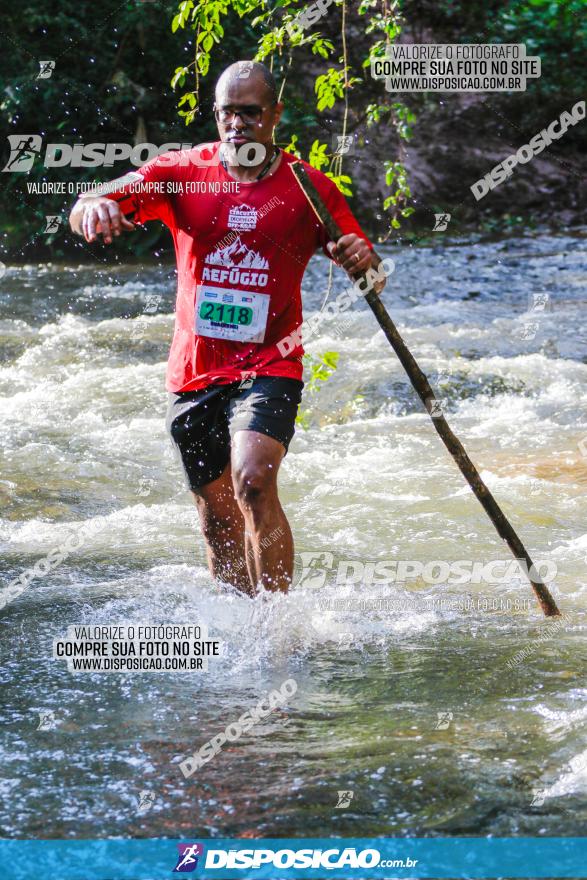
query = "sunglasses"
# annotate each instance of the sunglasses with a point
(251, 113)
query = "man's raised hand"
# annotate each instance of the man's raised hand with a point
(101, 216)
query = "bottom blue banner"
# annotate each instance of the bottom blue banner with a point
(225, 859)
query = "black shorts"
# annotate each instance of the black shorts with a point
(201, 423)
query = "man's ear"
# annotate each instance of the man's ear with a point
(279, 108)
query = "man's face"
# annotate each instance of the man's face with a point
(252, 97)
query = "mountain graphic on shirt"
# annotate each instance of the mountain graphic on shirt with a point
(237, 254)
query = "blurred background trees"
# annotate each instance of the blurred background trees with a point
(112, 83)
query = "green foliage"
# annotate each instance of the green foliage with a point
(396, 177)
(554, 29)
(318, 370)
(331, 85)
(110, 82)
(318, 155)
(292, 147)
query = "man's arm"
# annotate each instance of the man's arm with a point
(92, 216)
(108, 209)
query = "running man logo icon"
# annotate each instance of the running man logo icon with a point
(343, 144)
(138, 329)
(152, 303)
(441, 222)
(345, 641)
(244, 69)
(344, 800)
(52, 222)
(539, 796)
(315, 568)
(528, 331)
(146, 800)
(24, 148)
(248, 377)
(145, 487)
(47, 720)
(435, 407)
(538, 302)
(188, 857)
(444, 719)
(47, 68)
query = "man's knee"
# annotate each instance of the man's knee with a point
(254, 485)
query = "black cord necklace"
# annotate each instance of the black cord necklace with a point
(264, 171)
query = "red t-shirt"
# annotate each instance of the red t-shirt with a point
(240, 255)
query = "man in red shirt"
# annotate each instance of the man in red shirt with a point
(243, 236)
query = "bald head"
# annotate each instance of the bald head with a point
(251, 73)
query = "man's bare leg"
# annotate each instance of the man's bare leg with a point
(223, 527)
(255, 461)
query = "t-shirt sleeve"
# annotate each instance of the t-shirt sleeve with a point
(338, 207)
(143, 192)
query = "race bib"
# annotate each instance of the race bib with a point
(231, 314)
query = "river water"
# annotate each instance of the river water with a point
(444, 708)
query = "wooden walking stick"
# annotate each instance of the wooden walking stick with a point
(428, 398)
